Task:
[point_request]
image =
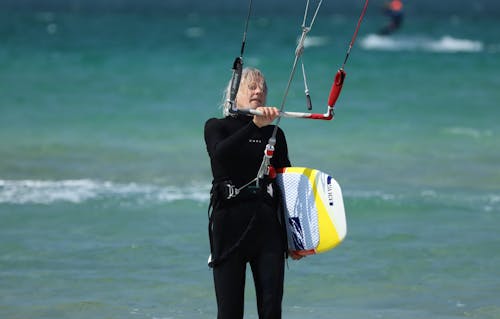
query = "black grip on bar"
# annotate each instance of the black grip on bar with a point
(309, 103)
(236, 78)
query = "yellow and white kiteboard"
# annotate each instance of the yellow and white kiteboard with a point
(314, 209)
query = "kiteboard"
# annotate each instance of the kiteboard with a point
(314, 209)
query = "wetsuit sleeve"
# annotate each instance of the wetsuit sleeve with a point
(281, 158)
(221, 143)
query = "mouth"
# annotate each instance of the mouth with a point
(256, 100)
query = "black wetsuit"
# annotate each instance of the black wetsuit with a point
(247, 228)
(395, 23)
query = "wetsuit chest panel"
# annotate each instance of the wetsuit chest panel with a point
(236, 148)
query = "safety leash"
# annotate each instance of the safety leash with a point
(265, 167)
(332, 98)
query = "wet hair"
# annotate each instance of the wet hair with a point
(248, 75)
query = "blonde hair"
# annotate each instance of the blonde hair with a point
(248, 76)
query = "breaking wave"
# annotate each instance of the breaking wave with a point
(82, 190)
(446, 44)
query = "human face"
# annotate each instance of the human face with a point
(251, 94)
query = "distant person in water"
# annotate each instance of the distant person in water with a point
(394, 10)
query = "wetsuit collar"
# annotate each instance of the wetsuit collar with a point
(242, 117)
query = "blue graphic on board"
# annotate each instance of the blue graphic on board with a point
(297, 233)
(329, 189)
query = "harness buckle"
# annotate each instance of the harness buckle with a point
(232, 191)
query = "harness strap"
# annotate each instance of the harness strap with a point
(214, 261)
(225, 192)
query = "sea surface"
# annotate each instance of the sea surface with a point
(104, 175)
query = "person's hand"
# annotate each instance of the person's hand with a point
(269, 114)
(294, 255)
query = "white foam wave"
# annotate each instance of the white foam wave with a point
(482, 201)
(315, 41)
(79, 191)
(370, 194)
(194, 32)
(446, 44)
(468, 132)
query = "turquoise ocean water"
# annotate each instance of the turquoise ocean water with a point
(104, 177)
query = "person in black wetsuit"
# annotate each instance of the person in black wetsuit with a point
(246, 228)
(394, 10)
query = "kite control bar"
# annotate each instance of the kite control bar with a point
(298, 115)
(338, 82)
(337, 85)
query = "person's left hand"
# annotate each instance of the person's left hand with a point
(269, 114)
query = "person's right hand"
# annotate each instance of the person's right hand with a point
(294, 255)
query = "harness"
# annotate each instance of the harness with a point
(225, 195)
